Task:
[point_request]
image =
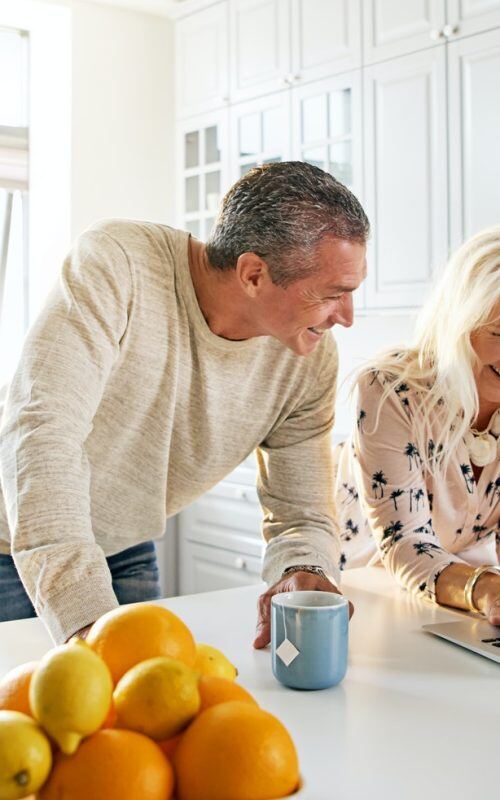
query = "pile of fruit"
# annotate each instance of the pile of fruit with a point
(138, 711)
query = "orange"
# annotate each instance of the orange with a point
(235, 750)
(15, 688)
(111, 765)
(169, 746)
(110, 720)
(130, 634)
(214, 690)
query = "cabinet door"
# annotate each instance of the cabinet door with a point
(202, 61)
(472, 16)
(260, 132)
(405, 176)
(392, 27)
(326, 37)
(203, 171)
(207, 569)
(260, 47)
(474, 87)
(327, 132)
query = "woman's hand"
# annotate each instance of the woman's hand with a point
(486, 596)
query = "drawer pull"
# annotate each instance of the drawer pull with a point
(240, 563)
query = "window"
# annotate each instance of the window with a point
(13, 197)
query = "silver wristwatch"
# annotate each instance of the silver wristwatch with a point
(304, 568)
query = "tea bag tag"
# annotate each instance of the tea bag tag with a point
(287, 652)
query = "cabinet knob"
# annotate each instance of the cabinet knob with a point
(450, 30)
(243, 495)
(225, 99)
(284, 80)
(240, 563)
(296, 78)
(436, 34)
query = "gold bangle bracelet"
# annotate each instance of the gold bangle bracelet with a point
(471, 584)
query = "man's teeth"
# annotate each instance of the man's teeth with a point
(495, 369)
(315, 330)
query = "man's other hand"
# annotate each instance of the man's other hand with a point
(293, 582)
(81, 634)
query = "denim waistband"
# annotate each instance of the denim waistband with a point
(141, 550)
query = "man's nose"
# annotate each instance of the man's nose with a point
(344, 313)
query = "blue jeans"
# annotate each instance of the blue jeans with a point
(134, 573)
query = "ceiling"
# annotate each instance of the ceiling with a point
(164, 8)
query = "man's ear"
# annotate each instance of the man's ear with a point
(253, 274)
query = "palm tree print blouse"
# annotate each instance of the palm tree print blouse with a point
(391, 508)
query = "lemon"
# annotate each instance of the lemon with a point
(70, 693)
(157, 697)
(210, 661)
(25, 755)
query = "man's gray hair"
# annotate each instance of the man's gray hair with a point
(281, 212)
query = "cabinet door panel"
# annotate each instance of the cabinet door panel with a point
(207, 569)
(406, 177)
(326, 38)
(472, 16)
(260, 132)
(327, 132)
(202, 165)
(202, 61)
(474, 81)
(260, 47)
(393, 28)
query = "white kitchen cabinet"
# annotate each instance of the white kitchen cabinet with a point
(202, 61)
(326, 126)
(206, 569)
(326, 38)
(474, 102)
(260, 47)
(395, 27)
(260, 132)
(277, 44)
(203, 170)
(466, 17)
(406, 176)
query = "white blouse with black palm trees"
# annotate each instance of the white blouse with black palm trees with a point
(390, 507)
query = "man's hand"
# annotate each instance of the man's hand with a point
(293, 582)
(81, 634)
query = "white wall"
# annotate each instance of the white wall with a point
(368, 335)
(122, 117)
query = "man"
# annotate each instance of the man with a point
(158, 364)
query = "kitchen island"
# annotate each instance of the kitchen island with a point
(416, 718)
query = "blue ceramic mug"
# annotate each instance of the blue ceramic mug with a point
(309, 638)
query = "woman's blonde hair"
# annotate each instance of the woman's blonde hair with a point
(439, 363)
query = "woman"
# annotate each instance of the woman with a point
(418, 481)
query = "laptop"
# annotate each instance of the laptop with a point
(476, 635)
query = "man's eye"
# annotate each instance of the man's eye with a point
(333, 297)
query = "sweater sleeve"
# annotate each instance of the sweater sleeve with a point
(394, 491)
(67, 358)
(296, 480)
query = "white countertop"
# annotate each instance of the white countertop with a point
(416, 718)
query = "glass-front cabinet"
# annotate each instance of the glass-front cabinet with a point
(326, 125)
(203, 164)
(260, 132)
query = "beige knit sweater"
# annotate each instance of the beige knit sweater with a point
(125, 407)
